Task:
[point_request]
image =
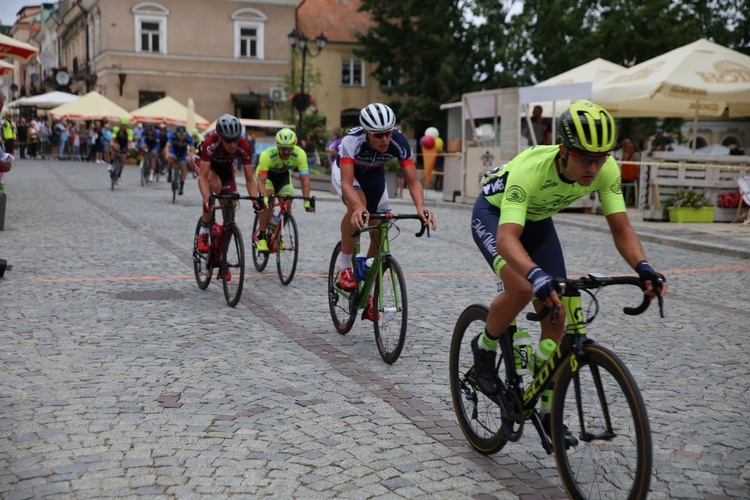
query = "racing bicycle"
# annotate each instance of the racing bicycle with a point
(595, 398)
(282, 237)
(227, 250)
(386, 280)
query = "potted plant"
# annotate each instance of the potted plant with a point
(689, 206)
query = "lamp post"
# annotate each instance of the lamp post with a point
(298, 41)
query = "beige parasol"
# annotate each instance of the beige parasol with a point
(10, 47)
(92, 106)
(169, 110)
(698, 79)
(5, 68)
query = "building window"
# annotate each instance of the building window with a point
(149, 97)
(352, 72)
(391, 80)
(150, 28)
(249, 33)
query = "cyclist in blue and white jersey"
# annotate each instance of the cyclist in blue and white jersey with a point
(359, 178)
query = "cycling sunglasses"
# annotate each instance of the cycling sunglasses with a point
(283, 149)
(587, 160)
(380, 135)
(230, 141)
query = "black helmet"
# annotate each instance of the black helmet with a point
(229, 128)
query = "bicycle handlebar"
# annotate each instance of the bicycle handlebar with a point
(236, 196)
(390, 216)
(594, 281)
(311, 199)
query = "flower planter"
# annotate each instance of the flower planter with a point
(3, 201)
(690, 214)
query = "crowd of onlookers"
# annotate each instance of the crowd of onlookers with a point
(63, 139)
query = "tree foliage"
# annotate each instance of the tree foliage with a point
(438, 52)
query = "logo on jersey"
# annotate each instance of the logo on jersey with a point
(516, 194)
(616, 187)
(548, 184)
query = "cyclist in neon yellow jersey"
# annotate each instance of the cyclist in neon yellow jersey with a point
(122, 142)
(274, 173)
(513, 228)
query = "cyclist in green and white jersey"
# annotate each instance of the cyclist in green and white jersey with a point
(274, 172)
(513, 228)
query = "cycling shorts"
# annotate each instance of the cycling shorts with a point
(280, 182)
(539, 239)
(371, 182)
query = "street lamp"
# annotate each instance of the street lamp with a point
(298, 41)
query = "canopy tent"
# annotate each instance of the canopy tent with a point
(698, 79)
(168, 110)
(592, 72)
(10, 47)
(48, 100)
(5, 68)
(92, 106)
(252, 123)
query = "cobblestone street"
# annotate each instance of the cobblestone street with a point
(121, 378)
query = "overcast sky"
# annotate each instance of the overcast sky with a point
(9, 8)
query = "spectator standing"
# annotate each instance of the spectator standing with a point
(44, 132)
(33, 140)
(9, 134)
(311, 150)
(542, 128)
(332, 148)
(64, 127)
(22, 135)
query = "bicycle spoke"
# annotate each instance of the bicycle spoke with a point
(260, 259)
(391, 311)
(201, 262)
(603, 409)
(233, 265)
(342, 305)
(287, 249)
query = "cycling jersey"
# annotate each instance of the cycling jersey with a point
(222, 162)
(151, 142)
(529, 187)
(122, 136)
(356, 150)
(179, 148)
(270, 161)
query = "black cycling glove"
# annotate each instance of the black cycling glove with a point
(541, 283)
(648, 273)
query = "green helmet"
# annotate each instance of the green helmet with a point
(286, 137)
(587, 128)
(124, 121)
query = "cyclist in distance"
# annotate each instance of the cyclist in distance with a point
(149, 146)
(275, 166)
(180, 148)
(359, 178)
(219, 151)
(512, 226)
(122, 141)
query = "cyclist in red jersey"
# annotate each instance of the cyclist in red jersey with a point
(219, 151)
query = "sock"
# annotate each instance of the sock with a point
(345, 259)
(204, 227)
(487, 343)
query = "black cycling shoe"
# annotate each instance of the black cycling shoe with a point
(570, 439)
(484, 368)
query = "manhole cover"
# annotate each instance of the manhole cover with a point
(150, 295)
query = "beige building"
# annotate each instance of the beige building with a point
(229, 56)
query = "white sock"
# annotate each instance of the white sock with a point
(345, 259)
(203, 230)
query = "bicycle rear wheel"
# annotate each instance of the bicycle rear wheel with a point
(391, 311)
(480, 418)
(233, 264)
(113, 174)
(600, 403)
(175, 183)
(260, 259)
(287, 249)
(342, 304)
(144, 172)
(201, 262)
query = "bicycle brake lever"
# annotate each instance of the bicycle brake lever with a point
(661, 305)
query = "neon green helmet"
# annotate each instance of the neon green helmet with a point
(286, 137)
(587, 128)
(124, 121)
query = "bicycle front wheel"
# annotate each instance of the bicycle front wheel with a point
(287, 249)
(233, 264)
(144, 172)
(175, 184)
(260, 259)
(601, 405)
(202, 262)
(391, 311)
(480, 418)
(343, 305)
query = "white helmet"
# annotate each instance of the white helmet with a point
(377, 117)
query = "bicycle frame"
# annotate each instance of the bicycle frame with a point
(284, 203)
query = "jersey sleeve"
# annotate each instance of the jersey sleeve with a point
(515, 202)
(610, 191)
(264, 162)
(347, 150)
(300, 161)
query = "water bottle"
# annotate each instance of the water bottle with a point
(543, 351)
(274, 223)
(522, 351)
(360, 271)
